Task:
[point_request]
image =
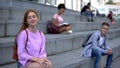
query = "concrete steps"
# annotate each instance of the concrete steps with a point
(54, 43)
(116, 62)
(63, 49)
(12, 16)
(73, 58)
(11, 27)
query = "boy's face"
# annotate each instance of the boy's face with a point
(104, 29)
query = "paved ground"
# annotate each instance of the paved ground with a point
(116, 63)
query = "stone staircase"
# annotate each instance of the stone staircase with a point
(64, 50)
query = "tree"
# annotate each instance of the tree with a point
(110, 2)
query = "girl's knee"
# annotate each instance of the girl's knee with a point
(49, 64)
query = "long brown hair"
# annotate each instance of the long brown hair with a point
(25, 24)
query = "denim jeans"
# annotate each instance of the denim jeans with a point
(88, 14)
(97, 54)
(18, 64)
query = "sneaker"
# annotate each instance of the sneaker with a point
(88, 20)
(92, 20)
(70, 31)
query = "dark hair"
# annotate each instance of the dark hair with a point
(60, 6)
(89, 3)
(110, 11)
(104, 23)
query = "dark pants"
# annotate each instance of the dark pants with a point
(88, 14)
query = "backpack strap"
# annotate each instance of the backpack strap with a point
(41, 39)
(91, 42)
(98, 38)
(26, 40)
(15, 48)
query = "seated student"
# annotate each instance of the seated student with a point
(31, 43)
(58, 24)
(99, 46)
(109, 16)
(87, 12)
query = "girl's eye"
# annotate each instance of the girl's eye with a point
(29, 17)
(34, 16)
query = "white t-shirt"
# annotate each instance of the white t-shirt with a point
(101, 41)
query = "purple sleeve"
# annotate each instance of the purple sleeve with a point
(43, 51)
(23, 56)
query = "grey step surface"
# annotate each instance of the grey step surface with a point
(15, 13)
(54, 43)
(73, 58)
(116, 63)
(11, 27)
(13, 10)
(12, 15)
(11, 18)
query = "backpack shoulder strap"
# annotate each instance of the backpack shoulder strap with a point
(26, 40)
(15, 43)
(89, 35)
(98, 38)
(41, 39)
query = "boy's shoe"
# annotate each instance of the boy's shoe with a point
(92, 20)
(88, 20)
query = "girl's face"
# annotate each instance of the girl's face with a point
(32, 19)
(61, 11)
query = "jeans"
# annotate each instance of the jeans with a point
(97, 54)
(18, 64)
(88, 14)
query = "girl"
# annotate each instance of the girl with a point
(58, 22)
(32, 54)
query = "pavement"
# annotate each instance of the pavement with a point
(116, 63)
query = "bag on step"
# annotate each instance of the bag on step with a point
(51, 28)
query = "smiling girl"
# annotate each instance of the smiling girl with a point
(32, 54)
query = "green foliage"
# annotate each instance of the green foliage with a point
(110, 2)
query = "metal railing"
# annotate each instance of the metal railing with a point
(70, 4)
